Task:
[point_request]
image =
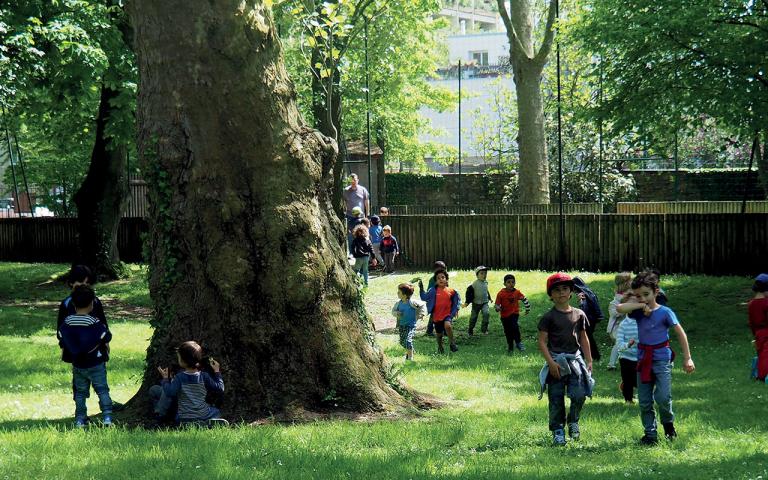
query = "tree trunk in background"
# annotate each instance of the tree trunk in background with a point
(761, 162)
(246, 250)
(330, 126)
(527, 68)
(101, 199)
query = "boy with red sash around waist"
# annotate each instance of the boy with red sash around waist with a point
(655, 357)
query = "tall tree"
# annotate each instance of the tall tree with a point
(102, 197)
(527, 67)
(246, 250)
(674, 63)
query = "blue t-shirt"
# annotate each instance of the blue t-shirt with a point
(654, 329)
(375, 232)
(407, 314)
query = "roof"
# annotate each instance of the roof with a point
(360, 148)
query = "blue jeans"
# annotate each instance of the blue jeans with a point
(82, 379)
(361, 267)
(556, 395)
(659, 389)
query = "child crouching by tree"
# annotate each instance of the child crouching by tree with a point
(408, 311)
(188, 387)
(443, 303)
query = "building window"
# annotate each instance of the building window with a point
(480, 58)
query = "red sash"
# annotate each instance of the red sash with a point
(645, 366)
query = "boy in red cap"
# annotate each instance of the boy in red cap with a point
(562, 338)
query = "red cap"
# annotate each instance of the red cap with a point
(557, 279)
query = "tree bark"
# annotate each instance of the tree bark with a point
(381, 166)
(527, 68)
(761, 161)
(246, 250)
(101, 198)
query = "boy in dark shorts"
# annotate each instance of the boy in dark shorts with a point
(562, 338)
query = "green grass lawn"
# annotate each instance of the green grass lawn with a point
(492, 425)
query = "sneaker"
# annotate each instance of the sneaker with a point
(106, 420)
(81, 422)
(520, 346)
(669, 431)
(558, 437)
(648, 440)
(454, 348)
(430, 334)
(611, 367)
(573, 431)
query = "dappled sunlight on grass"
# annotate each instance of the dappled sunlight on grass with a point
(491, 425)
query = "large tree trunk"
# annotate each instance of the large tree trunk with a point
(527, 68)
(101, 198)
(381, 166)
(246, 251)
(761, 161)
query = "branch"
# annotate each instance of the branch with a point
(549, 34)
(514, 40)
(731, 21)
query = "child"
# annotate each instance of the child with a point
(661, 298)
(436, 267)
(389, 248)
(362, 250)
(355, 219)
(86, 339)
(507, 304)
(190, 386)
(626, 348)
(443, 303)
(623, 283)
(478, 296)
(758, 323)
(375, 232)
(383, 212)
(654, 355)
(408, 311)
(78, 275)
(590, 305)
(562, 338)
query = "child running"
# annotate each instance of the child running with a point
(562, 338)
(626, 348)
(478, 296)
(408, 312)
(508, 306)
(436, 267)
(654, 355)
(443, 304)
(758, 323)
(623, 282)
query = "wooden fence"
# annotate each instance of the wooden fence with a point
(691, 207)
(684, 243)
(537, 209)
(55, 239)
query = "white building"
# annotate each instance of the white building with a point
(485, 74)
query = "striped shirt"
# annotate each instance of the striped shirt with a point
(191, 390)
(627, 331)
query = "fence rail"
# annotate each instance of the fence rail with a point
(536, 209)
(684, 243)
(690, 207)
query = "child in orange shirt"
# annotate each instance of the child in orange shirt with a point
(507, 304)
